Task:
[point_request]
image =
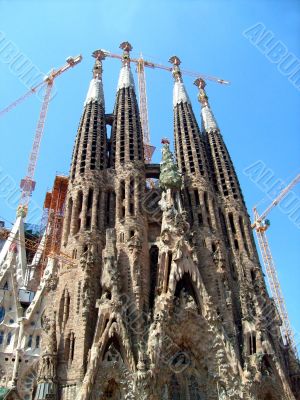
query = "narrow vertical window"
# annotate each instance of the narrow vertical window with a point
(72, 346)
(231, 222)
(197, 200)
(79, 209)
(241, 224)
(29, 343)
(153, 253)
(108, 196)
(169, 266)
(224, 227)
(89, 209)
(68, 220)
(8, 340)
(252, 343)
(131, 194)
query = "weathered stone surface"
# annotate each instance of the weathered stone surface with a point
(167, 301)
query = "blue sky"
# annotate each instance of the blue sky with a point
(258, 113)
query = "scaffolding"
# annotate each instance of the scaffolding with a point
(54, 206)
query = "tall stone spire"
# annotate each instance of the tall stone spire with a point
(189, 147)
(163, 299)
(95, 92)
(191, 155)
(88, 160)
(208, 120)
(90, 204)
(90, 150)
(126, 138)
(226, 181)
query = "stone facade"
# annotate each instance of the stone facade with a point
(165, 298)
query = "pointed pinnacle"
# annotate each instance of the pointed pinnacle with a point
(175, 60)
(126, 46)
(200, 83)
(176, 69)
(202, 96)
(99, 54)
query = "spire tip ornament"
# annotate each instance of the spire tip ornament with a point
(208, 120)
(99, 55)
(202, 96)
(126, 47)
(95, 91)
(176, 69)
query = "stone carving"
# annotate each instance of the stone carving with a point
(139, 311)
(47, 369)
(170, 177)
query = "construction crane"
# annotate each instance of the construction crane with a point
(148, 149)
(261, 224)
(28, 184)
(141, 64)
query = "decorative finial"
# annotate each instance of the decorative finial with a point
(175, 60)
(165, 141)
(126, 47)
(202, 96)
(125, 77)
(176, 69)
(99, 55)
(209, 122)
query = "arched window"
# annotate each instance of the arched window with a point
(2, 313)
(185, 291)
(72, 346)
(64, 308)
(252, 343)
(112, 354)
(78, 211)
(1, 337)
(37, 342)
(153, 252)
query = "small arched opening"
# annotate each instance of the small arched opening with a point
(185, 290)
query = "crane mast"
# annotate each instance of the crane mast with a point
(261, 225)
(148, 149)
(28, 184)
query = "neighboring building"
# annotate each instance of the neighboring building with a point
(20, 339)
(164, 297)
(24, 281)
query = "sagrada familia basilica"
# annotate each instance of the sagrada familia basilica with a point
(162, 296)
